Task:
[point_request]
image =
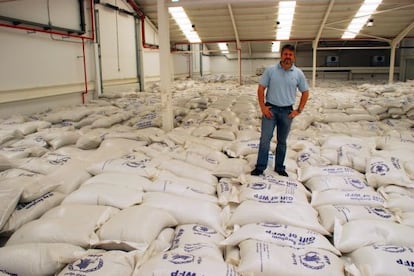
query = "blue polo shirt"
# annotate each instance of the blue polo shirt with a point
(282, 85)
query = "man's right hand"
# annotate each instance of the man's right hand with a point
(266, 111)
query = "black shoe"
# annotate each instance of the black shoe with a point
(256, 172)
(282, 173)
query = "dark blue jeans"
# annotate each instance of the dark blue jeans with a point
(282, 122)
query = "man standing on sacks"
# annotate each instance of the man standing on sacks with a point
(280, 82)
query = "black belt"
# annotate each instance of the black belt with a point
(281, 107)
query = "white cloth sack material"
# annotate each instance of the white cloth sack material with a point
(382, 171)
(381, 260)
(359, 233)
(37, 259)
(354, 156)
(277, 182)
(366, 197)
(9, 197)
(33, 186)
(136, 163)
(345, 213)
(105, 194)
(304, 174)
(399, 203)
(267, 259)
(178, 262)
(74, 224)
(103, 264)
(280, 234)
(144, 225)
(58, 139)
(195, 233)
(188, 210)
(270, 193)
(243, 148)
(322, 183)
(406, 218)
(185, 187)
(126, 180)
(295, 214)
(394, 189)
(184, 169)
(66, 178)
(227, 192)
(5, 163)
(169, 182)
(28, 211)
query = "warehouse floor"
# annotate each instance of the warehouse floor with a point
(102, 189)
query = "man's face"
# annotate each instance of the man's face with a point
(288, 57)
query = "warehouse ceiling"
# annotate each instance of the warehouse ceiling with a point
(253, 23)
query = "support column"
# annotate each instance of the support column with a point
(165, 70)
(315, 46)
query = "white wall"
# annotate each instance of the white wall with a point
(118, 43)
(222, 65)
(41, 70)
(35, 64)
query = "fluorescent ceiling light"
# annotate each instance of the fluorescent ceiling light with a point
(184, 23)
(275, 46)
(223, 48)
(362, 16)
(285, 19)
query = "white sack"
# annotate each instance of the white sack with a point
(134, 228)
(105, 194)
(275, 181)
(187, 210)
(280, 234)
(266, 259)
(270, 193)
(195, 233)
(322, 183)
(328, 214)
(168, 181)
(295, 214)
(34, 185)
(400, 203)
(69, 177)
(28, 211)
(58, 139)
(406, 218)
(103, 264)
(382, 260)
(74, 224)
(126, 180)
(359, 233)
(227, 192)
(242, 148)
(184, 169)
(9, 197)
(366, 197)
(304, 174)
(37, 259)
(382, 171)
(177, 262)
(136, 163)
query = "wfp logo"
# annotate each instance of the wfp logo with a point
(312, 260)
(176, 258)
(379, 168)
(88, 264)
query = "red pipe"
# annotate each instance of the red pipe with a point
(92, 38)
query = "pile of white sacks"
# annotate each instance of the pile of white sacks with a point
(101, 189)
